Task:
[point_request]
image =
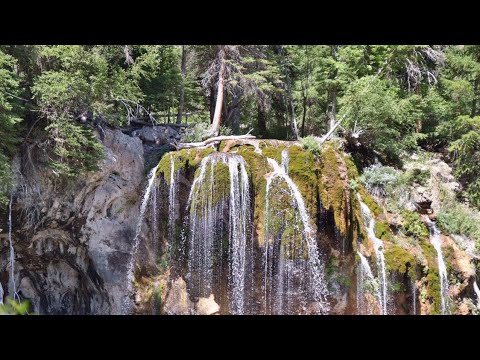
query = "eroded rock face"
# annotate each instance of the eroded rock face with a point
(207, 306)
(72, 259)
(159, 135)
(178, 302)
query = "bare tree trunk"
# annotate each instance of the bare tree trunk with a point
(304, 115)
(212, 103)
(332, 109)
(182, 90)
(217, 116)
(293, 123)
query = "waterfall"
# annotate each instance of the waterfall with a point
(366, 283)
(369, 222)
(477, 292)
(1, 294)
(207, 233)
(285, 160)
(171, 202)
(154, 222)
(435, 240)
(288, 276)
(136, 240)
(12, 287)
(414, 297)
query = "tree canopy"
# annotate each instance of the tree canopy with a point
(387, 99)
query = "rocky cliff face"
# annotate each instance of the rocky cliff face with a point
(73, 240)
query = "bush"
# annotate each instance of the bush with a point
(416, 176)
(197, 132)
(379, 180)
(413, 226)
(310, 143)
(11, 307)
(455, 218)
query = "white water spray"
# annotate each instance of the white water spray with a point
(136, 240)
(315, 269)
(171, 202)
(378, 246)
(205, 240)
(366, 283)
(477, 292)
(435, 240)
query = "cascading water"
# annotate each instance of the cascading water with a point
(369, 222)
(477, 292)
(435, 240)
(414, 297)
(136, 240)
(285, 160)
(208, 233)
(154, 221)
(171, 202)
(366, 284)
(293, 274)
(12, 287)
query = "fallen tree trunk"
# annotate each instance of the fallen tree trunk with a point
(212, 140)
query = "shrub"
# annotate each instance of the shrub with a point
(11, 307)
(455, 218)
(310, 143)
(197, 132)
(413, 226)
(378, 179)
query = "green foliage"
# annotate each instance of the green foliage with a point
(413, 226)
(374, 106)
(310, 143)
(416, 175)
(455, 218)
(197, 133)
(9, 117)
(11, 307)
(466, 152)
(379, 180)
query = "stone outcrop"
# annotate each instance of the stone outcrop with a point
(73, 240)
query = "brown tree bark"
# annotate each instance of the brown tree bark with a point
(304, 115)
(182, 90)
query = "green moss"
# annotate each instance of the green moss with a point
(382, 230)
(370, 202)
(400, 260)
(413, 226)
(333, 187)
(256, 169)
(182, 159)
(352, 170)
(273, 152)
(304, 170)
(432, 277)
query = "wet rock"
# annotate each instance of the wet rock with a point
(177, 302)
(207, 306)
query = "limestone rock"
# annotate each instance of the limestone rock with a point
(159, 135)
(207, 306)
(177, 302)
(74, 257)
